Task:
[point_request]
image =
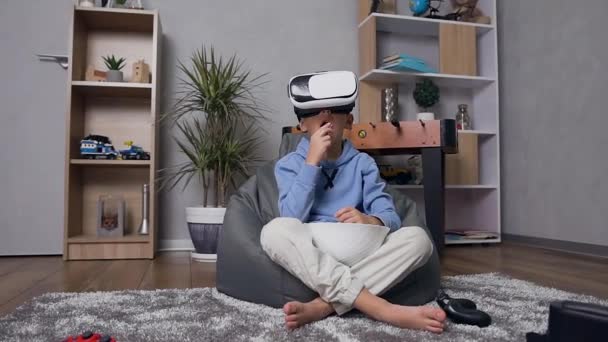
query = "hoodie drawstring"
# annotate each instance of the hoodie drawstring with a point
(330, 178)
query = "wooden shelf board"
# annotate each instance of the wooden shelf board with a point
(117, 19)
(442, 80)
(475, 131)
(471, 241)
(132, 238)
(448, 187)
(106, 162)
(113, 89)
(407, 24)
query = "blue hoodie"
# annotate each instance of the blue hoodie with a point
(310, 193)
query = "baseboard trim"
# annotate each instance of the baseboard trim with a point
(559, 245)
(175, 245)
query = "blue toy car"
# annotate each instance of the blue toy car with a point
(97, 147)
(134, 152)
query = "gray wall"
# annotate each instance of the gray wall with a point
(553, 79)
(554, 87)
(282, 38)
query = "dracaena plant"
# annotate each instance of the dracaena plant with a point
(219, 120)
(114, 64)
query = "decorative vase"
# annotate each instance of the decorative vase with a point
(463, 121)
(204, 225)
(114, 76)
(390, 103)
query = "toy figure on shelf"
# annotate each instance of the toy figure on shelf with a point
(134, 152)
(97, 147)
(467, 11)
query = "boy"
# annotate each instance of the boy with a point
(327, 180)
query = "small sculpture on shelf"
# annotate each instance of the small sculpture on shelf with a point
(93, 74)
(95, 146)
(141, 72)
(110, 215)
(463, 10)
(134, 152)
(467, 10)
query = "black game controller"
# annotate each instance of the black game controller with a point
(462, 311)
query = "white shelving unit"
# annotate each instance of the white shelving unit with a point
(468, 207)
(441, 80)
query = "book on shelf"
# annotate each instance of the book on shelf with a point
(407, 63)
(470, 235)
(392, 58)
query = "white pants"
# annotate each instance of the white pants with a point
(288, 242)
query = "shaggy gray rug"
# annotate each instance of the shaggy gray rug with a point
(205, 314)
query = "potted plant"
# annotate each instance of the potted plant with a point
(426, 95)
(218, 118)
(114, 66)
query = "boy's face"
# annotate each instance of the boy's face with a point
(339, 121)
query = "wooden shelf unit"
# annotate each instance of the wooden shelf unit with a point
(469, 206)
(122, 111)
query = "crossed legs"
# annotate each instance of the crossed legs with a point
(289, 243)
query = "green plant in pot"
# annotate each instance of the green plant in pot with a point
(114, 66)
(426, 95)
(219, 121)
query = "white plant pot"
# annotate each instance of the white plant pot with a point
(204, 225)
(425, 116)
(114, 76)
(86, 3)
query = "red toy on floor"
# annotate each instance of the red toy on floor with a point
(90, 337)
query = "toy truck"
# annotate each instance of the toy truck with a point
(97, 147)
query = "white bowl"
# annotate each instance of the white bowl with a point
(348, 243)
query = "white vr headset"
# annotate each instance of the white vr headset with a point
(331, 90)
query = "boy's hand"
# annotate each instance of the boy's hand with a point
(320, 142)
(352, 215)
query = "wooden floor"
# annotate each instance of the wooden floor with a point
(22, 278)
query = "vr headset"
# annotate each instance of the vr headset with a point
(328, 90)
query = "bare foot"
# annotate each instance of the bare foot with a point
(297, 313)
(415, 317)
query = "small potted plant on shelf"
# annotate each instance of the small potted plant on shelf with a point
(218, 118)
(426, 95)
(114, 66)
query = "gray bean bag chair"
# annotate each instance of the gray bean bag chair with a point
(244, 271)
